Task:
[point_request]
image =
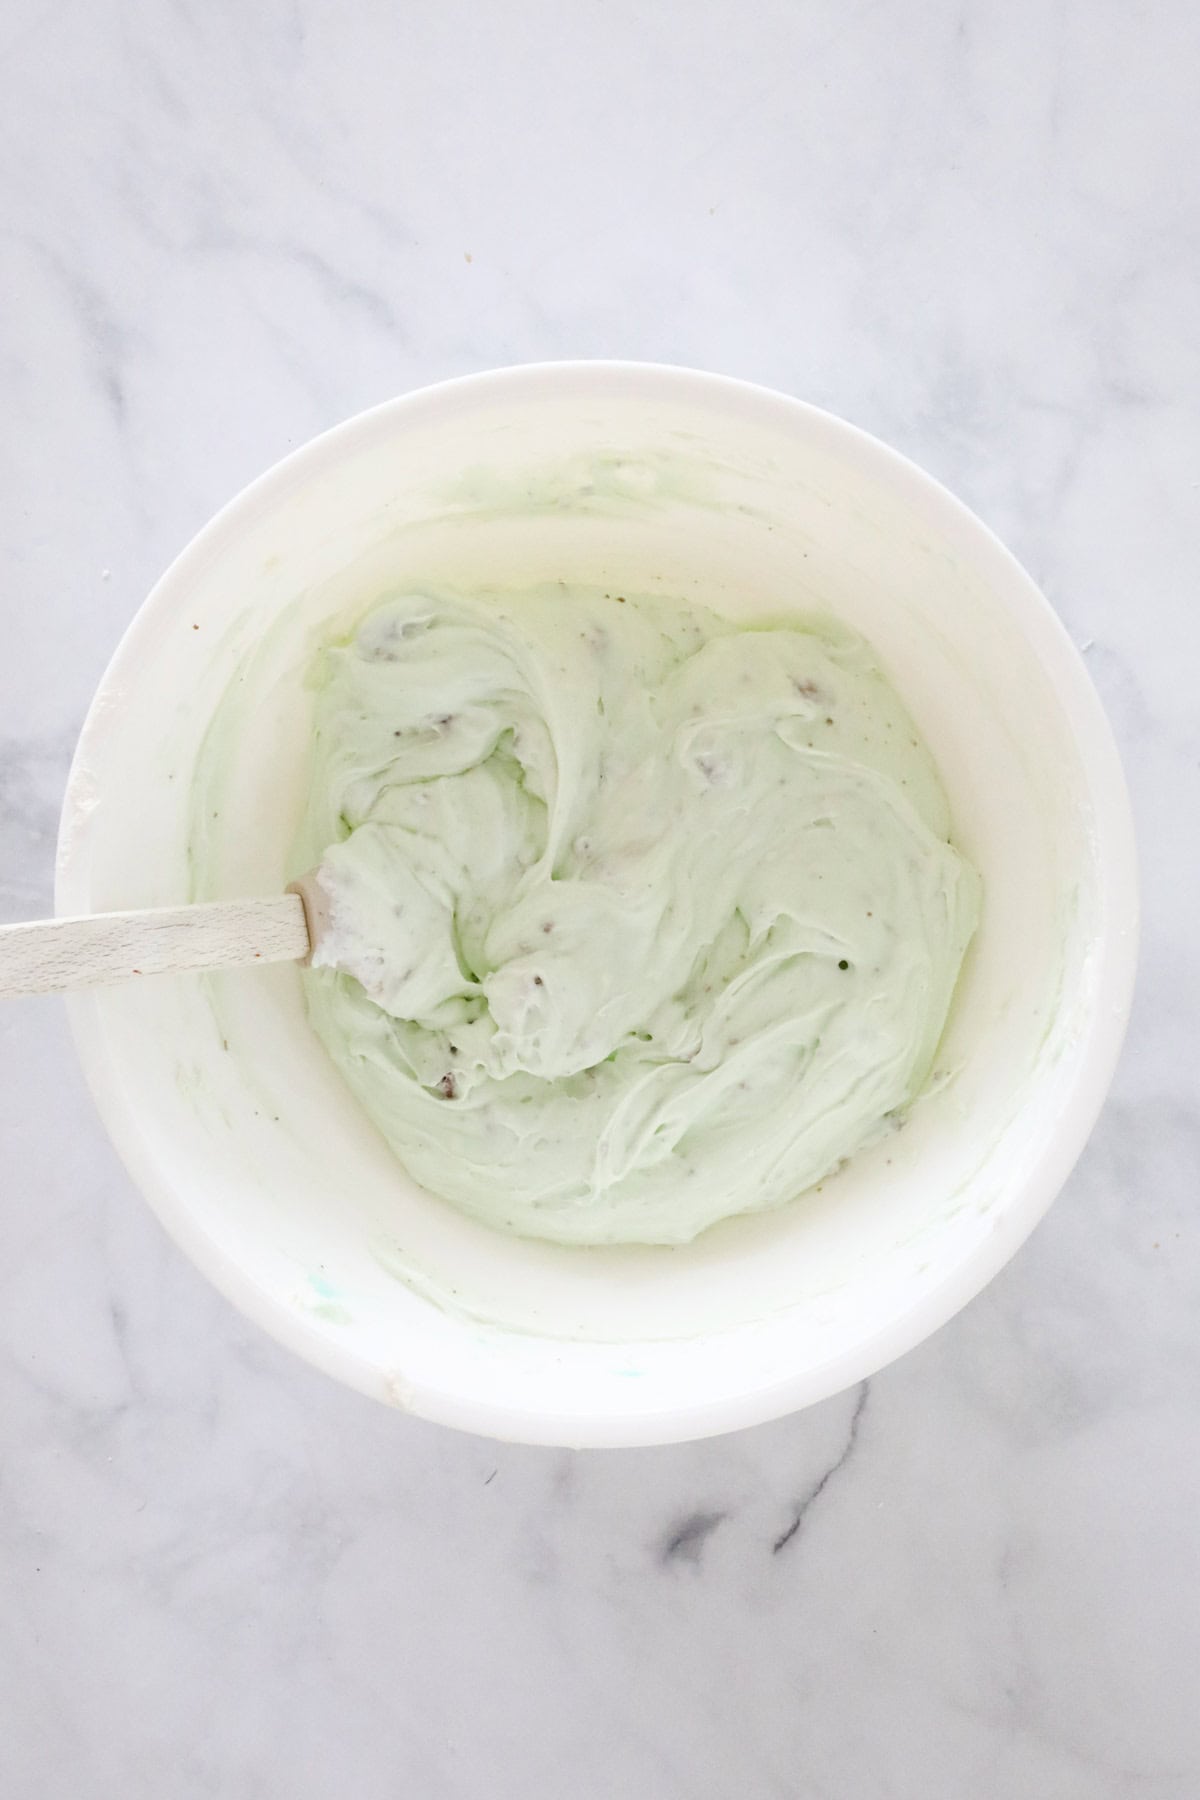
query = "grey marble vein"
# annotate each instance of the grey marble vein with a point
(685, 1541)
(813, 1492)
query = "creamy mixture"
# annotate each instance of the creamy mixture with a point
(638, 918)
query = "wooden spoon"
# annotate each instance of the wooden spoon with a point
(46, 956)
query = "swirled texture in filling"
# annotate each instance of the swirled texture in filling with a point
(639, 918)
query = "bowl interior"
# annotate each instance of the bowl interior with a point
(188, 782)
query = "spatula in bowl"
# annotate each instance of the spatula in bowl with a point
(48, 956)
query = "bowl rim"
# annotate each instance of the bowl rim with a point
(1114, 950)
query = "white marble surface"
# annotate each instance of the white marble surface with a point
(971, 228)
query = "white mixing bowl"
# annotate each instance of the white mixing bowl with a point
(187, 782)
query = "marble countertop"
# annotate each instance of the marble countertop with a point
(972, 229)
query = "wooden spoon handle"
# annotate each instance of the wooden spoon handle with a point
(48, 955)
